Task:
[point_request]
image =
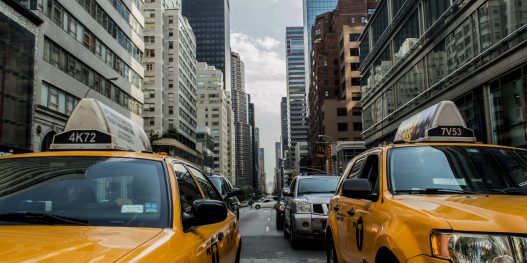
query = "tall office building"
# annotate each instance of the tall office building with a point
(170, 73)
(20, 35)
(262, 184)
(86, 48)
(210, 20)
(284, 126)
(255, 140)
(240, 107)
(278, 178)
(213, 112)
(470, 52)
(296, 90)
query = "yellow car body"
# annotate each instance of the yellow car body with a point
(399, 227)
(218, 242)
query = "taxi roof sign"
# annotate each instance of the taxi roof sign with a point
(95, 126)
(440, 122)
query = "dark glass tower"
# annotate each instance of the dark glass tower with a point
(210, 21)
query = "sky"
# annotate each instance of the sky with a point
(258, 35)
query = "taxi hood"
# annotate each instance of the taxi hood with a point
(477, 213)
(70, 243)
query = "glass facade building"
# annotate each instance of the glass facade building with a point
(296, 90)
(210, 20)
(471, 52)
(17, 69)
(313, 8)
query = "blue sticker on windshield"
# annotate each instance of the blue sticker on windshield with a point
(151, 208)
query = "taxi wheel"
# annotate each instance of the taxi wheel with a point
(238, 253)
(331, 253)
(257, 206)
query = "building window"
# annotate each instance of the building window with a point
(170, 20)
(342, 126)
(149, 94)
(170, 44)
(357, 126)
(363, 20)
(356, 111)
(355, 96)
(407, 37)
(433, 10)
(150, 53)
(353, 20)
(354, 66)
(149, 66)
(355, 81)
(354, 37)
(170, 110)
(354, 51)
(410, 85)
(342, 112)
(170, 97)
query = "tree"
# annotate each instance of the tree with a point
(245, 192)
(153, 137)
(170, 133)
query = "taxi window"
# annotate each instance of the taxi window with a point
(456, 169)
(356, 168)
(98, 191)
(371, 172)
(188, 190)
(206, 187)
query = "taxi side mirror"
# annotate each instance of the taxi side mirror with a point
(206, 212)
(357, 188)
(234, 192)
(286, 191)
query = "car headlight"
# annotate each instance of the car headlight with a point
(303, 207)
(472, 248)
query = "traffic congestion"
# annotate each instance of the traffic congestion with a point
(100, 193)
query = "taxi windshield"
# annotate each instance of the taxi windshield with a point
(457, 169)
(95, 191)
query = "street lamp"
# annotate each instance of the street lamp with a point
(333, 148)
(97, 83)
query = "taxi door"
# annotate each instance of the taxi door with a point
(363, 215)
(222, 235)
(343, 204)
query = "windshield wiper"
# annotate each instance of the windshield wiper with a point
(516, 191)
(434, 191)
(39, 218)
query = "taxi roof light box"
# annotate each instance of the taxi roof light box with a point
(440, 122)
(95, 126)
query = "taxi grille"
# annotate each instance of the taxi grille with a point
(320, 209)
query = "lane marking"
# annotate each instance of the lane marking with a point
(267, 229)
(268, 219)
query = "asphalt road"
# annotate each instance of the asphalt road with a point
(263, 243)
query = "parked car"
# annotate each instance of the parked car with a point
(227, 192)
(264, 203)
(306, 209)
(280, 209)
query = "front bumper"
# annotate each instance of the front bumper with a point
(310, 225)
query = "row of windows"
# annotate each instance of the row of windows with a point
(56, 99)
(63, 60)
(125, 13)
(105, 20)
(78, 31)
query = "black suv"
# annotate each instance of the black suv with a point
(227, 192)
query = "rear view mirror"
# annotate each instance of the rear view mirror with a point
(357, 188)
(206, 212)
(286, 191)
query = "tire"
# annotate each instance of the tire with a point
(286, 234)
(293, 240)
(279, 223)
(238, 253)
(331, 252)
(238, 214)
(257, 206)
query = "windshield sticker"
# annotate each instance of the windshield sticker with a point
(132, 209)
(450, 181)
(151, 208)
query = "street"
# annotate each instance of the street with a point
(263, 243)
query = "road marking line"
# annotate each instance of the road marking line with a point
(267, 229)
(268, 219)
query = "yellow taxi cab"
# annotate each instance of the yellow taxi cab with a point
(435, 195)
(98, 196)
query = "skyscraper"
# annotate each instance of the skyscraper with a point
(213, 112)
(240, 107)
(210, 20)
(170, 72)
(296, 90)
(313, 8)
